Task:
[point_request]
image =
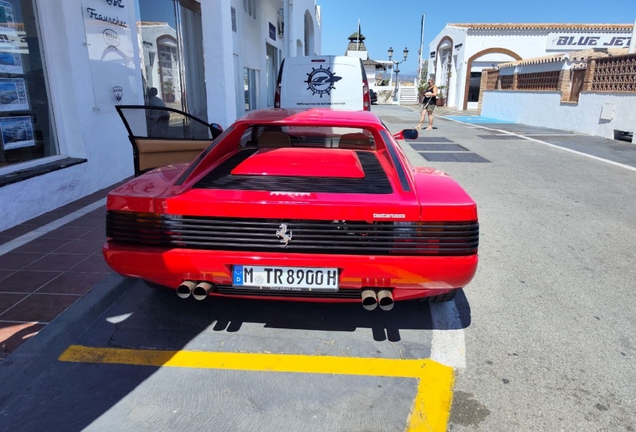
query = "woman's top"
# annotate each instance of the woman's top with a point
(432, 99)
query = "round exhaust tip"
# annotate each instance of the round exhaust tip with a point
(385, 300)
(185, 289)
(200, 292)
(369, 300)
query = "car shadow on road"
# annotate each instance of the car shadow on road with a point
(222, 314)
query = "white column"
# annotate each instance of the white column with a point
(218, 60)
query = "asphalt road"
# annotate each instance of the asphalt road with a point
(552, 340)
(543, 339)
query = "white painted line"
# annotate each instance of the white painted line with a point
(607, 161)
(549, 134)
(449, 345)
(39, 232)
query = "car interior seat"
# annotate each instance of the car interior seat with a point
(273, 139)
(357, 141)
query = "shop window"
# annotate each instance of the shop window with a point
(26, 126)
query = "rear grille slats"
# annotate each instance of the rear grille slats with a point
(325, 237)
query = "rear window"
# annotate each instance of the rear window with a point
(308, 136)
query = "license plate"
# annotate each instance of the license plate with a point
(285, 278)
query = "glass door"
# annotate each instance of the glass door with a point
(172, 45)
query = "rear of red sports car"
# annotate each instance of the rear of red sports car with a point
(314, 205)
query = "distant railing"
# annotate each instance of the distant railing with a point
(613, 74)
(539, 81)
(506, 82)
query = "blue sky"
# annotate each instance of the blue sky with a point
(397, 23)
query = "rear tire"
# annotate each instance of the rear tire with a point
(442, 298)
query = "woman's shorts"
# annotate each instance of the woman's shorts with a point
(430, 108)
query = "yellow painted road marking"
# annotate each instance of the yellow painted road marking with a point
(430, 410)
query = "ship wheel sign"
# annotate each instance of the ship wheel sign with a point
(321, 81)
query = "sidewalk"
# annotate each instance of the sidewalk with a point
(45, 267)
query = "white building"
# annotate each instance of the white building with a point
(64, 65)
(460, 51)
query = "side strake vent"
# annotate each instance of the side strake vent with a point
(307, 236)
(375, 180)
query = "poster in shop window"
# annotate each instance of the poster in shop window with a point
(13, 95)
(16, 132)
(7, 21)
(10, 59)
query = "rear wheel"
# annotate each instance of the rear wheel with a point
(442, 298)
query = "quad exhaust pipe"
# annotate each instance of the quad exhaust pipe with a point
(385, 300)
(185, 289)
(199, 291)
(371, 300)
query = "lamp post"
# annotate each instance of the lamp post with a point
(396, 69)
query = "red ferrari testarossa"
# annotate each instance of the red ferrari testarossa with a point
(305, 205)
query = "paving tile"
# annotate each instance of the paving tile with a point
(438, 147)
(18, 230)
(55, 262)
(437, 157)
(42, 245)
(5, 273)
(470, 157)
(81, 246)
(89, 220)
(92, 264)
(72, 283)
(39, 307)
(48, 217)
(68, 232)
(13, 335)
(26, 281)
(17, 261)
(8, 300)
(431, 139)
(97, 234)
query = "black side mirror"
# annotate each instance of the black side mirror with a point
(216, 130)
(409, 134)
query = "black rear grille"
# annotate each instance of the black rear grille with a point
(375, 180)
(307, 236)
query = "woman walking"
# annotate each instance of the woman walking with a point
(428, 104)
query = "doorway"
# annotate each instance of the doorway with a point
(172, 45)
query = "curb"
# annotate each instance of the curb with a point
(26, 363)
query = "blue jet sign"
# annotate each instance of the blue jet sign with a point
(580, 41)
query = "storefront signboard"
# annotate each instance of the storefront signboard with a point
(110, 49)
(581, 41)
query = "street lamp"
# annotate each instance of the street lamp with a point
(396, 69)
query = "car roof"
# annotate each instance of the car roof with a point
(311, 117)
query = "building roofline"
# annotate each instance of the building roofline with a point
(542, 26)
(571, 56)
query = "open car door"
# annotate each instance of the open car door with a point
(162, 136)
